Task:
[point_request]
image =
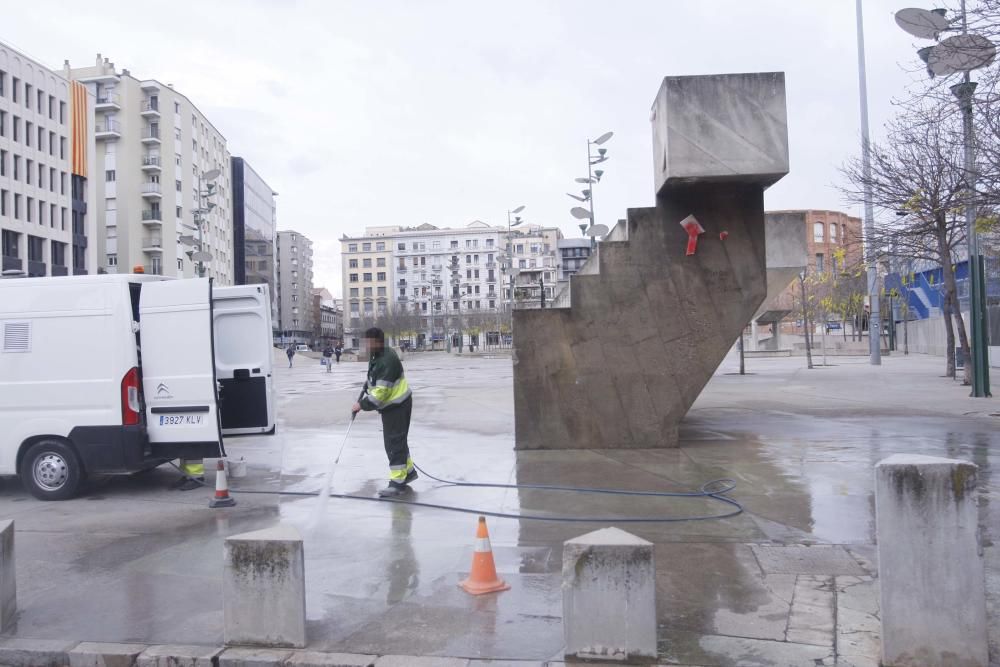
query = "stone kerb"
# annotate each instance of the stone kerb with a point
(609, 597)
(264, 589)
(933, 603)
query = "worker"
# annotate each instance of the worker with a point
(388, 392)
(193, 471)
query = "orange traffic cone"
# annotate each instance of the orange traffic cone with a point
(222, 497)
(483, 577)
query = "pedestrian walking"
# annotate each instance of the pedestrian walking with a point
(388, 393)
(327, 355)
(338, 350)
(290, 351)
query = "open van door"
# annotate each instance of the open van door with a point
(178, 369)
(243, 358)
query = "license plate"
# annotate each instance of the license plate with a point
(181, 420)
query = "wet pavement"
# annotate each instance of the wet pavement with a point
(788, 582)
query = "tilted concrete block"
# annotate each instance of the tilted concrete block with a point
(264, 592)
(931, 576)
(729, 127)
(316, 659)
(8, 576)
(179, 656)
(96, 654)
(609, 596)
(253, 657)
(18, 652)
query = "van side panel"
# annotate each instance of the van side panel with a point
(67, 374)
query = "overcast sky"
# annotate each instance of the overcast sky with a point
(402, 112)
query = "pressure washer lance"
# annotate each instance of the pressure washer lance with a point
(354, 416)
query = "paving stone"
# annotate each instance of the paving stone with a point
(858, 626)
(507, 663)
(16, 652)
(316, 659)
(179, 656)
(96, 654)
(742, 652)
(818, 560)
(418, 661)
(253, 657)
(812, 617)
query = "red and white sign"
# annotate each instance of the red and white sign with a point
(693, 229)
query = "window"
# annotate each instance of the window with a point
(368, 277)
(3, 123)
(366, 247)
(381, 275)
(833, 232)
(177, 133)
(112, 260)
(380, 261)
(177, 184)
(468, 259)
(354, 292)
(109, 176)
(28, 167)
(401, 247)
(352, 263)
(353, 278)
(454, 244)
(53, 179)
(476, 273)
(352, 247)
(52, 143)
(62, 148)
(15, 82)
(62, 113)
(15, 124)
(3, 81)
(179, 211)
(52, 107)
(380, 246)
(3, 202)
(17, 206)
(368, 291)
(819, 263)
(41, 139)
(177, 107)
(27, 96)
(818, 232)
(489, 244)
(493, 304)
(468, 243)
(3, 163)
(27, 133)
(29, 208)
(381, 291)
(367, 263)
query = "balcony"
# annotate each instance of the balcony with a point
(11, 264)
(108, 130)
(151, 163)
(401, 269)
(58, 270)
(150, 85)
(151, 191)
(150, 110)
(150, 136)
(152, 244)
(108, 102)
(436, 269)
(152, 217)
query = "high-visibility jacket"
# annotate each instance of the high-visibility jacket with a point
(387, 384)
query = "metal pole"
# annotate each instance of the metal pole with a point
(200, 222)
(875, 319)
(590, 179)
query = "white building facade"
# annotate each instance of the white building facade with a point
(295, 288)
(164, 186)
(47, 193)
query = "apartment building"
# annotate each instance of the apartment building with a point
(449, 279)
(164, 191)
(47, 160)
(255, 232)
(534, 265)
(295, 287)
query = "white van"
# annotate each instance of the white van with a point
(121, 373)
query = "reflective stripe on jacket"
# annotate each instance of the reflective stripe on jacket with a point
(387, 384)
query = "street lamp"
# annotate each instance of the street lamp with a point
(593, 178)
(513, 220)
(961, 53)
(206, 189)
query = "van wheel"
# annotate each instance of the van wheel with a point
(51, 470)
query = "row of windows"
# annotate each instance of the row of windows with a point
(31, 136)
(11, 241)
(38, 100)
(819, 232)
(29, 209)
(368, 292)
(365, 263)
(46, 176)
(367, 277)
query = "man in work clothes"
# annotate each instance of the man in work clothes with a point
(389, 393)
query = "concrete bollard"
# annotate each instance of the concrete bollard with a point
(609, 596)
(264, 592)
(933, 602)
(8, 578)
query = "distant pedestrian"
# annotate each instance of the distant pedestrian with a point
(327, 354)
(339, 350)
(388, 392)
(290, 351)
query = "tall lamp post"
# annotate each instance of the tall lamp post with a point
(513, 220)
(592, 179)
(963, 53)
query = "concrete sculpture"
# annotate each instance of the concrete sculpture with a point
(654, 312)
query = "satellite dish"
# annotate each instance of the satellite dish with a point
(961, 53)
(597, 230)
(210, 175)
(518, 209)
(604, 137)
(580, 213)
(921, 23)
(201, 256)
(584, 180)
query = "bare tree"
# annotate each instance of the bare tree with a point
(918, 170)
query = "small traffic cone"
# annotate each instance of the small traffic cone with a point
(483, 577)
(222, 497)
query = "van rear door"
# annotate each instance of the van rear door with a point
(178, 369)
(243, 358)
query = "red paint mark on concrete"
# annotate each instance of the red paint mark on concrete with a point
(693, 229)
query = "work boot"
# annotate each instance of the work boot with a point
(192, 483)
(411, 476)
(394, 490)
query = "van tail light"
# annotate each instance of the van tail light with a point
(131, 409)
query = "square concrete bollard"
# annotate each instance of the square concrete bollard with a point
(609, 596)
(264, 589)
(933, 603)
(95, 654)
(8, 578)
